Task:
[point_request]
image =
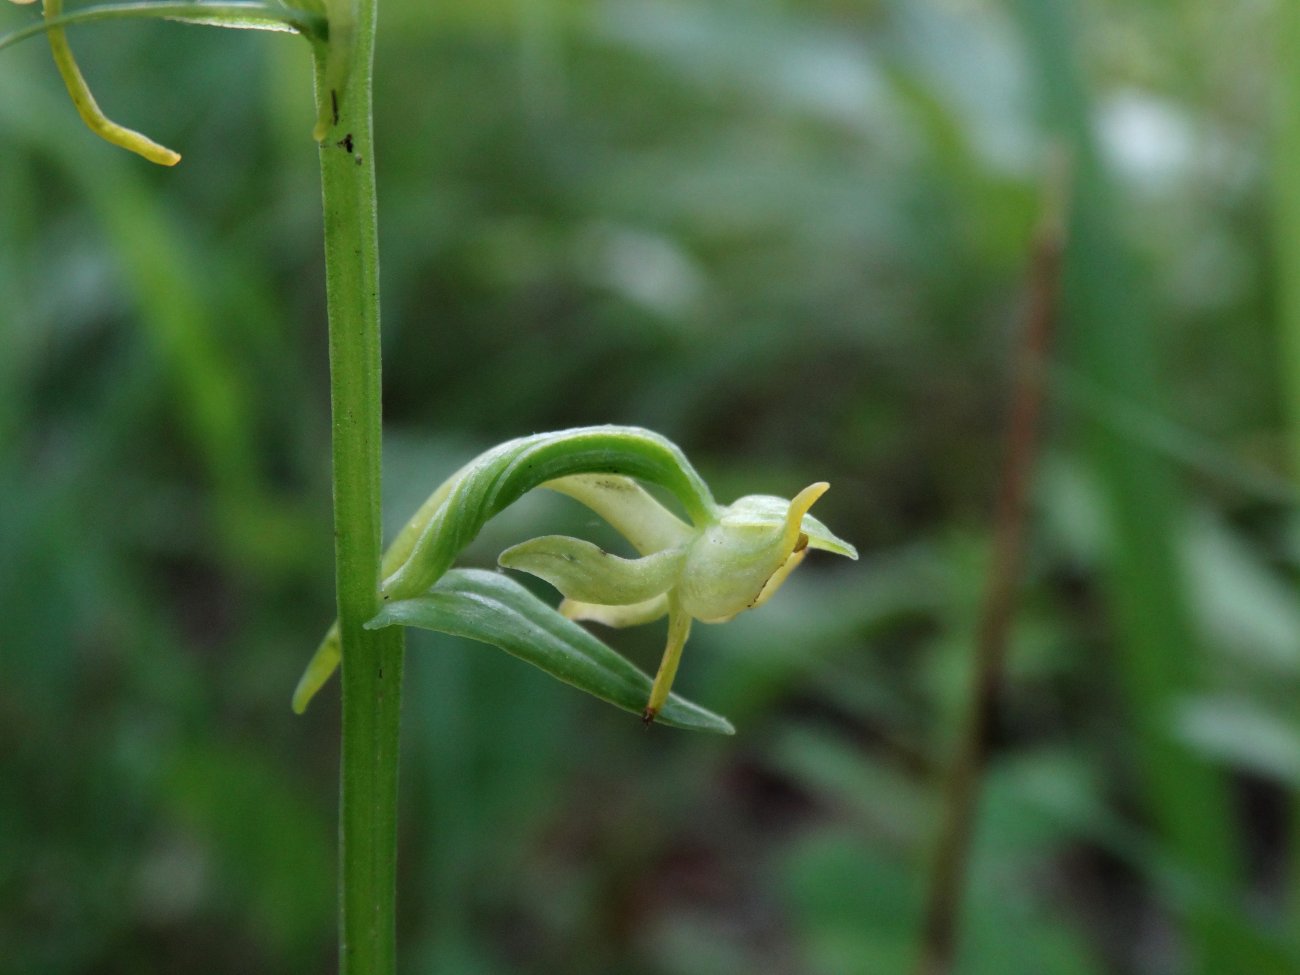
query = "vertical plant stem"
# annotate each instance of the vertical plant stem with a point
(1286, 242)
(372, 659)
(941, 922)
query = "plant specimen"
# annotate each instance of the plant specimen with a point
(724, 561)
(709, 566)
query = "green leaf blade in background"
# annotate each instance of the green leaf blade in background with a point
(492, 608)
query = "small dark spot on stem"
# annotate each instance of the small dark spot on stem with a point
(345, 142)
(334, 104)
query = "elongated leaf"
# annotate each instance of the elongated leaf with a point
(492, 608)
(242, 14)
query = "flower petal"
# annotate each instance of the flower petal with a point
(779, 576)
(618, 616)
(822, 538)
(586, 572)
(799, 506)
(629, 509)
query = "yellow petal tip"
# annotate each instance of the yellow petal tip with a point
(799, 506)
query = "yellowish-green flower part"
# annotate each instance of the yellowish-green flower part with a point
(88, 108)
(710, 572)
(709, 565)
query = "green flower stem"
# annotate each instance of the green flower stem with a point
(372, 659)
(679, 628)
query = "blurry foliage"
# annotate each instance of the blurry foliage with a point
(792, 237)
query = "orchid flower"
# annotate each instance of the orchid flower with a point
(733, 561)
(710, 572)
(720, 562)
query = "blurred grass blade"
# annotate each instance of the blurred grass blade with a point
(492, 608)
(1109, 339)
(216, 405)
(1286, 242)
(1286, 198)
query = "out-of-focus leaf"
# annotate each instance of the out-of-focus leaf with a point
(1245, 607)
(831, 767)
(269, 844)
(491, 608)
(856, 908)
(1244, 734)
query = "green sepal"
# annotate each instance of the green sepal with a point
(767, 510)
(587, 573)
(628, 508)
(492, 608)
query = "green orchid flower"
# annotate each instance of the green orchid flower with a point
(724, 560)
(733, 560)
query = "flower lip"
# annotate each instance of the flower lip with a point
(587, 573)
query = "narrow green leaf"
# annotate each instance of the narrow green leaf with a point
(245, 14)
(492, 608)
(587, 573)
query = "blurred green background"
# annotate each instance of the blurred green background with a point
(793, 237)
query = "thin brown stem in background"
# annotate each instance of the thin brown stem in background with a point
(941, 920)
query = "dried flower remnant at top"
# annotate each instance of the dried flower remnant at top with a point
(87, 107)
(326, 24)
